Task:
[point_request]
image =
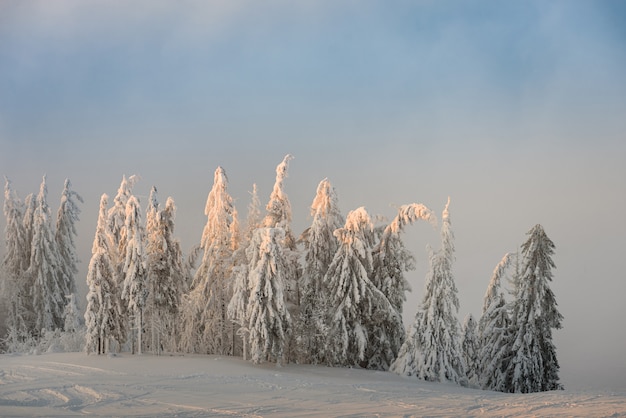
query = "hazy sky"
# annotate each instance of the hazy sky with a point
(516, 110)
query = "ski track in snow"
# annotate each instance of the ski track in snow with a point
(74, 384)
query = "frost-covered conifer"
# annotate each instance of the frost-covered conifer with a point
(30, 205)
(15, 284)
(102, 315)
(279, 216)
(117, 215)
(355, 304)
(253, 220)
(155, 263)
(237, 307)
(534, 366)
(206, 308)
(167, 276)
(495, 334)
(116, 229)
(48, 291)
(470, 347)
(268, 320)
(71, 317)
(433, 351)
(135, 291)
(391, 260)
(65, 234)
(320, 247)
(72, 339)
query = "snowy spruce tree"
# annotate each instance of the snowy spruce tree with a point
(470, 347)
(28, 224)
(116, 229)
(207, 327)
(72, 339)
(135, 291)
(48, 287)
(65, 234)
(154, 263)
(432, 350)
(102, 314)
(242, 257)
(320, 246)
(167, 276)
(15, 283)
(494, 333)
(391, 260)
(278, 215)
(355, 304)
(268, 320)
(534, 366)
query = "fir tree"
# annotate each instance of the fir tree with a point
(116, 229)
(279, 216)
(268, 320)
(356, 305)
(206, 311)
(320, 247)
(391, 260)
(237, 307)
(154, 265)
(48, 291)
(65, 235)
(28, 223)
(102, 315)
(15, 284)
(167, 276)
(470, 348)
(135, 291)
(495, 334)
(432, 351)
(534, 366)
(72, 339)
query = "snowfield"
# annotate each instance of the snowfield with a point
(74, 384)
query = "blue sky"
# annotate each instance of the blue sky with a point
(514, 109)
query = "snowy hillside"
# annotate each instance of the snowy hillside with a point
(74, 384)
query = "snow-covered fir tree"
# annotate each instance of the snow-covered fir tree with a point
(102, 314)
(534, 366)
(278, 215)
(48, 288)
(433, 351)
(470, 347)
(494, 333)
(154, 263)
(356, 305)
(65, 234)
(268, 320)
(135, 291)
(116, 229)
(15, 283)
(117, 214)
(320, 247)
(237, 307)
(30, 205)
(391, 260)
(71, 315)
(167, 276)
(205, 318)
(72, 339)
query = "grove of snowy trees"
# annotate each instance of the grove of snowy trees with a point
(334, 295)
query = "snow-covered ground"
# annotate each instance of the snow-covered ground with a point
(73, 384)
